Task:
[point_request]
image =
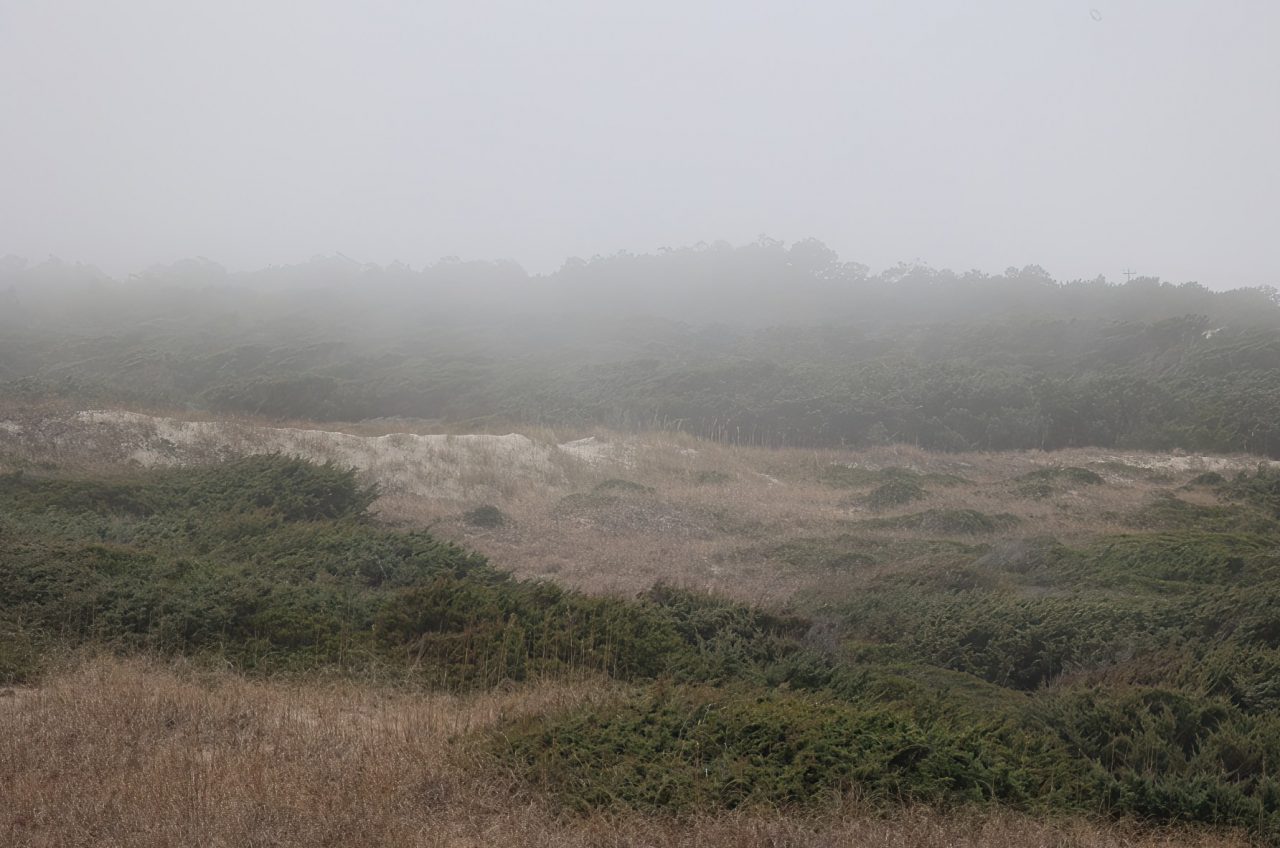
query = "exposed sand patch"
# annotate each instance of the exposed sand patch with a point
(433, 466)
(1178, 464)
(618, 512)
(438, 467)
(594, 451)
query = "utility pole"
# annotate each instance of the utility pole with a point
(1129, 275)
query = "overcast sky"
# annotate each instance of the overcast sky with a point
(1086, 136)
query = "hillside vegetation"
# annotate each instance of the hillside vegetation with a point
(1130, 676)
(155, 755)
(714, 546)
(759, 344)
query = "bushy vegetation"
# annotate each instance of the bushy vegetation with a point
(896, 492)
(761, 344)
(893, 485)
(271, 563)
(1207, 478)
(1046, 482)
(686, 747)
(948, 522)
(1143, 751)
(1260, 489)
(840, 476)
(1134, 675)
(623, 487)
(485, 515)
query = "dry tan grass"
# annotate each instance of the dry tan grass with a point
(709, 536)
(137, 753)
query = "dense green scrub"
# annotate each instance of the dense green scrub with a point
(762, 344)
(272, 563)
(855, 386)
(1137, 675)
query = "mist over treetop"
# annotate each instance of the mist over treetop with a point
(764, 342)
(762, 283)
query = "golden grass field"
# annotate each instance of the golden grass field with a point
(111, 752)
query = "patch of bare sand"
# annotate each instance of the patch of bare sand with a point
(618, 512)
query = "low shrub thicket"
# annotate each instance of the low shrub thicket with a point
(1136, 675)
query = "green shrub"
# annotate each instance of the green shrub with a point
(822, 554)
(897, 491)
(625, 487)
(1045, 482)
(1022, 556)
(842, 476)
(1135, 675)
(1208, 478)
(949, 522)
(486, 515)
(686, 748)
(1262, 489)
(1167, 511)
(1192, 558)
(849, 476)
(1170, 756)
(1036, 489)
(1065, 474)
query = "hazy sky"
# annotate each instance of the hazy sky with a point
(1083, 136)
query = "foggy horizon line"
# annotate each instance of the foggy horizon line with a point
(17, 263)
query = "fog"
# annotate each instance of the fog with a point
(1084, 137)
